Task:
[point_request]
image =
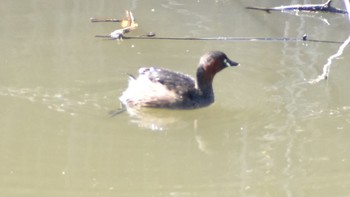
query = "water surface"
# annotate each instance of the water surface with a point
(269, 133)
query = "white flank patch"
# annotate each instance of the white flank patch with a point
(143, 90)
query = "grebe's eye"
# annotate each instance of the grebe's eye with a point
(227, 63)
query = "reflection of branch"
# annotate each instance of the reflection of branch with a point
(309, 15)
(327, 66)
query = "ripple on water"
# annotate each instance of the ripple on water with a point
(64, 100)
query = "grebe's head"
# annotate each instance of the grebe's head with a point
(212, 63)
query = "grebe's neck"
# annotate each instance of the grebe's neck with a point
(204, 82)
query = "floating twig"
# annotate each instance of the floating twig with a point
(117, 112)
(326, 7)
(94, 20)
(127, 23)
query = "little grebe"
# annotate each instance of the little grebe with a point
(162, 88)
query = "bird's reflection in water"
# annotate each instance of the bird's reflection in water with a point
(155, 119)
(209, 134)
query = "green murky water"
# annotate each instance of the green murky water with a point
(269, 133)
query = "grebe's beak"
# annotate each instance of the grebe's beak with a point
(229, 62)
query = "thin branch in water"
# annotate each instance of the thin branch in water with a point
(325, 7)
(151, 36)
(327, 66)
(347, 6)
